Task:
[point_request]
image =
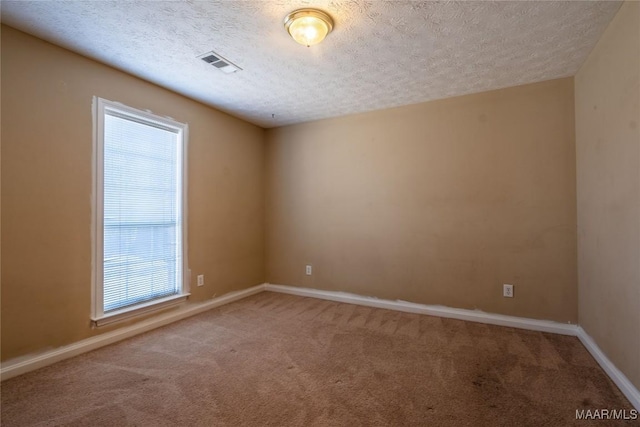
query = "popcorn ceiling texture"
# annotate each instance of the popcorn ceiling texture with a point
(381, 54)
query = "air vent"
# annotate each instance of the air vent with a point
(219, 62)
(211, 59)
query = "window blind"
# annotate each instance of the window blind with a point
(142, 218)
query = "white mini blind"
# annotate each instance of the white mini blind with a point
(142, 211)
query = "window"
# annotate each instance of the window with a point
(139, 212)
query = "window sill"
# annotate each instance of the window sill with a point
(138, 310)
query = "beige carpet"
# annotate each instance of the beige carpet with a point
(274, 359)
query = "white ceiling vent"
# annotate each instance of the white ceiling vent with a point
(219, 62)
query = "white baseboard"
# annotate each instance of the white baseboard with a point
(614, 373)
(26, 364)
(431, 310)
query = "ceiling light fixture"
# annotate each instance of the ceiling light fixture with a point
(308, 26)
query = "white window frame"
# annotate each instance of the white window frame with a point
(98, 317)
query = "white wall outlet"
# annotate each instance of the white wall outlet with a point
(308, 270)
(200, 279)
(507, 290)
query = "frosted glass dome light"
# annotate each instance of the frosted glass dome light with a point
(308, 26)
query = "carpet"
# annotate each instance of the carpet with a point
(281, 360)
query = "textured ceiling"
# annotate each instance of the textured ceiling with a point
(381, 53)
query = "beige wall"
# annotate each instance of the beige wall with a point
(608, 165)
(436, 203)
(46, 188)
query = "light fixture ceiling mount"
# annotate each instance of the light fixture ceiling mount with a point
(308, 26)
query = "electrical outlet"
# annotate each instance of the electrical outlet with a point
(200, 279)
(309, 270)
(507, 290)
